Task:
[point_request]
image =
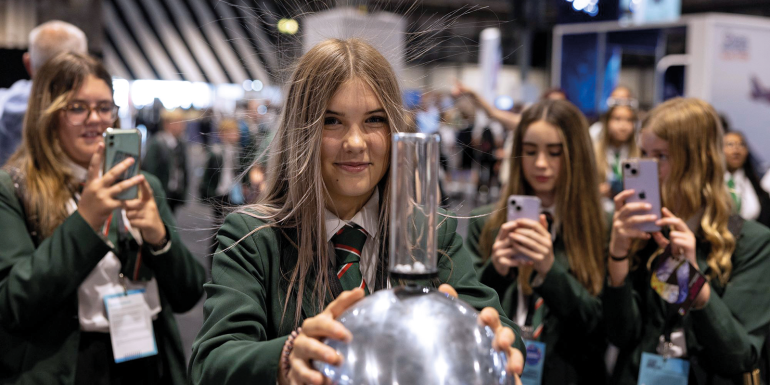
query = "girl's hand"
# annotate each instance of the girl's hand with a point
(308, 345)
(97, 200)
(143, 214)
(502, 250)
(624, 223)
(682, 241)
(504, 336)
(533, 240)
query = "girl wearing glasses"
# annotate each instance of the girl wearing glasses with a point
(67, 243)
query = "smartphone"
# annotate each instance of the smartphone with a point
(121, 144)
(641, 175)
(523, 207)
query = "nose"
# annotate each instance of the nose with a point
(541, 161)
(93, 116)
(354, 140)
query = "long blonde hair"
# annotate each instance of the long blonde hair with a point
(577, 194)
(49, 182)
(604, 141)
(693, 131)
(294, 196)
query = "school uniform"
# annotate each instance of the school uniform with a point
(750, 200)
(53, 325)
(723, 340)
(166, 158)
(245, 327)
(572, 328)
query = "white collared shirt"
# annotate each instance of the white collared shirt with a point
(103, 279)
(368, 218)
(750, 207)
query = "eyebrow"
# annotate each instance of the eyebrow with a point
(547, 145)
(87, 102)
(330, 112)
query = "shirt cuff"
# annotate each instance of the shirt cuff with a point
(163, 250)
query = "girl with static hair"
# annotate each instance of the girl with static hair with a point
(617, 142)
(750, 200)
(68, 242)
(723, 334)
(553, 291)
(276, 268)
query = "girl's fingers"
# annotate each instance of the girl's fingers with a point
(540, 238)
(343, 302)
(535, 226)
(302, 373)
(530, 243)
(96, 163)
(307, 348)
(639, 219)
(660, 239)
(620, 199)
(112, 175)
(325, 327)
(125, 185)
(447, 289)
(631, 208)
(633, 233)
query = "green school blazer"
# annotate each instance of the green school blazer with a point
(572, 328)
(39, 327)
(245, 327)
(724, 339)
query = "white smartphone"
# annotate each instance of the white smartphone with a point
(120, 144)
(523, 207)
(641, 175)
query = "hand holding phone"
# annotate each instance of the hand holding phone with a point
(523, 207)
(121, 144)
(641, 175)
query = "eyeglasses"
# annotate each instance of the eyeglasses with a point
(77, 113)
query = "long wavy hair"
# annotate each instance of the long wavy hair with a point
(49, 181)
(295, 194)
(693, 131)
(578, 207)
(604, 141)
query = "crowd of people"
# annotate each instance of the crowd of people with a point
(293, 199)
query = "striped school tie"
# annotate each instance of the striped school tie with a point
(348, 245)
(734, 195)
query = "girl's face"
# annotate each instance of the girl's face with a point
(542, 153)
(355, 146)
(653, 146)
(84, 120)
(620, 125)
(735, 151)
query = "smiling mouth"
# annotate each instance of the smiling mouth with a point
(353, 167)
(91, 134)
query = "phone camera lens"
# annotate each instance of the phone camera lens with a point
(112, 144)
(628, 165)
(513, 203)
(518, 208)
(633, 171)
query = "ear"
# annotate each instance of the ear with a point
(27, 60)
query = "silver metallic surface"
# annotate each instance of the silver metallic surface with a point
(415, 336)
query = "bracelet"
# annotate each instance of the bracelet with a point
(288, 346)
(618, 259)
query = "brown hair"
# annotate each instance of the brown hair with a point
(577, 194)
(604, 141)
(49, 182)
(294, 195)
(693, 131)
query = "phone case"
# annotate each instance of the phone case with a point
(120, 144)
(641, 175)
(523, 207)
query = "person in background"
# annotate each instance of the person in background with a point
(45, 41)
(328, 183)
(553, 291)
(617, 142)
(166, 157)
(68, 243)
(221, 187)
(750, 200)
(621, 95)
(554, 94)
(723, 334)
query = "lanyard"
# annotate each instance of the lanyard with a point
(122, 246)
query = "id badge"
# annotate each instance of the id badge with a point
(131, 330)
(533, 370)
(656, 369)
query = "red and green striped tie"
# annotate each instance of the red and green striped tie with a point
(348, 245)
